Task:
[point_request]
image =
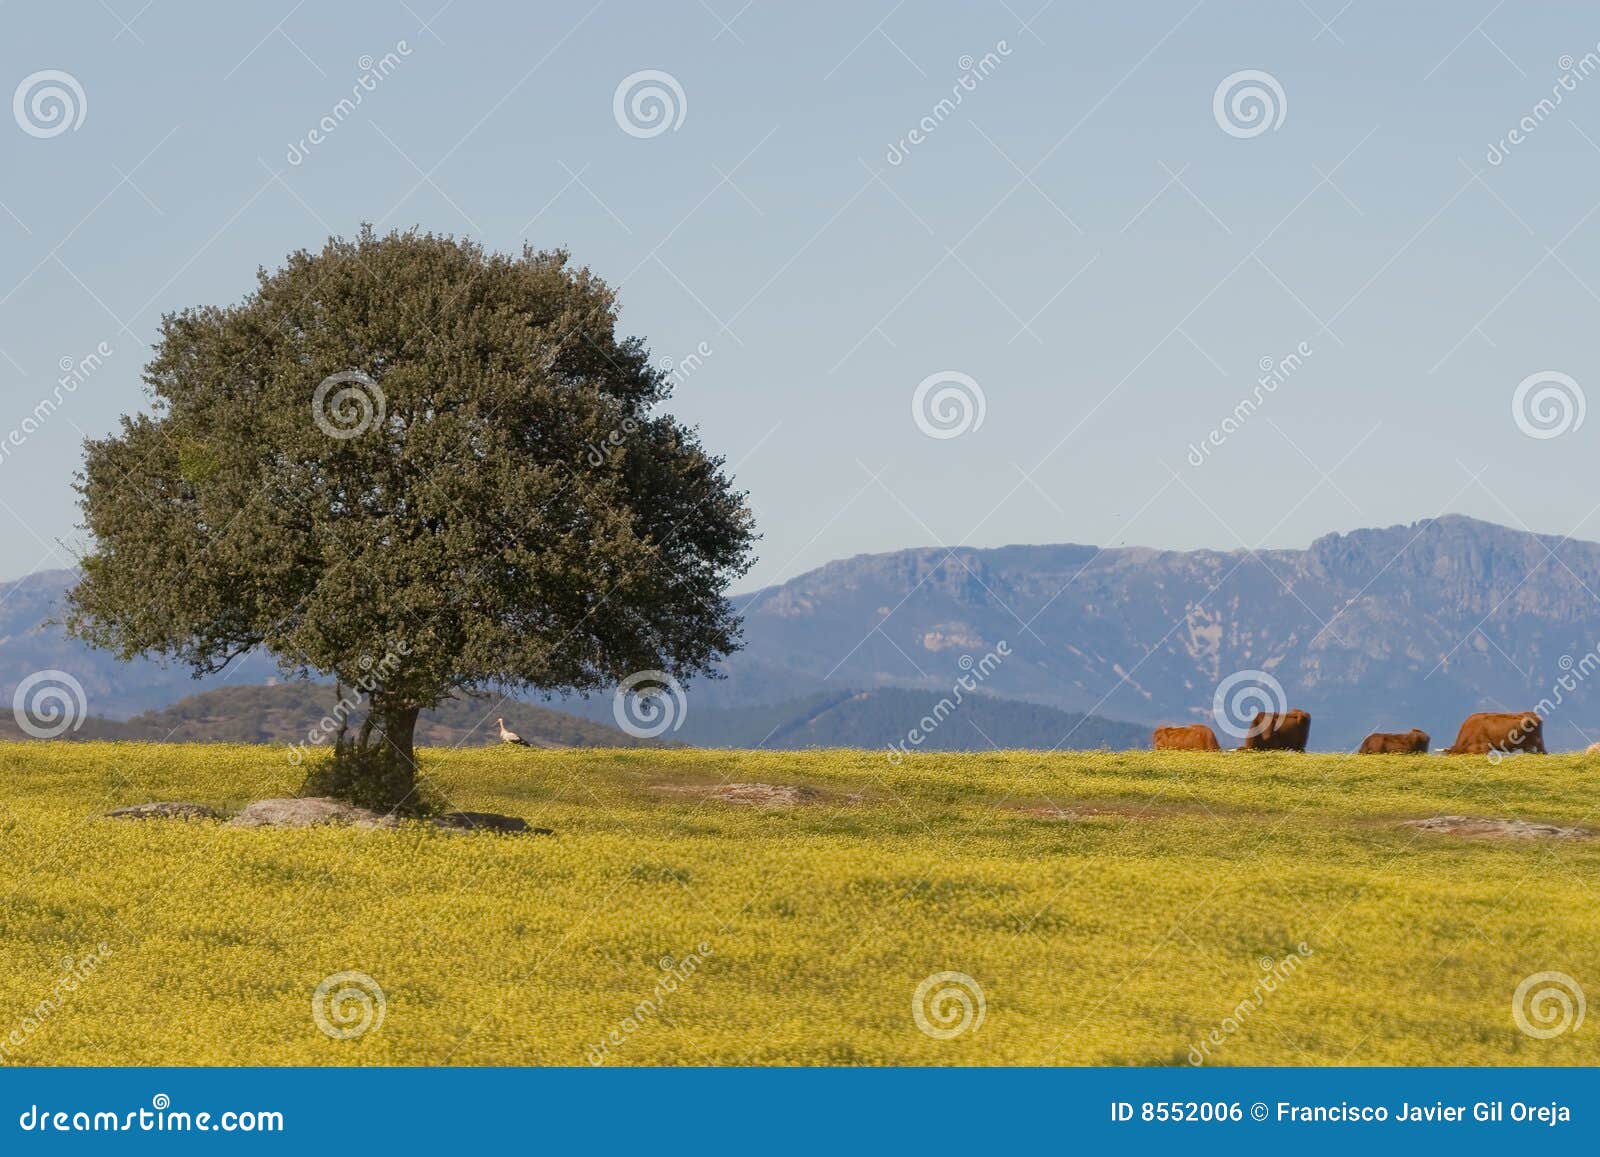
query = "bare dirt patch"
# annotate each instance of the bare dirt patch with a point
(749, 794)
(1088, 811)
(1497, 829)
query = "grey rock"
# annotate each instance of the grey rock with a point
(318, 810)
(165, 811)
(310, 812)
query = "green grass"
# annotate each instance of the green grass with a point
(1124, 936)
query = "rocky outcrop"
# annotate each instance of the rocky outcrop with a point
(312, 811)
(165, 811)
(316, 811)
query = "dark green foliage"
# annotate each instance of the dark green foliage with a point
(467, 535)
(372, 776)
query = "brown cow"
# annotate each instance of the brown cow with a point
(1187, 737)
(1287, 731)
(1500, 731)
(1413, 742)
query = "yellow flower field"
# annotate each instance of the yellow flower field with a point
(1232, 908)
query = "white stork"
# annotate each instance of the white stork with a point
(509, 736)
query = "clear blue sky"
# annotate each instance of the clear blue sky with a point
(1079, 236)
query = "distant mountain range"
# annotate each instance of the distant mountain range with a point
(31, 641)
(1372, 630)
(1379, 629)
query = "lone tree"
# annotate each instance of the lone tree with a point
(420, 468)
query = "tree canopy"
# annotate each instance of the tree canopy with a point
(418, 467)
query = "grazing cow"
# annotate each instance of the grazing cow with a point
(1190, 737)
(1286, 731)
(1500, 731)
(1413, 742)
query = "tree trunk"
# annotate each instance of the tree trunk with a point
(388, 768)
(379, 768)
(399, 725)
